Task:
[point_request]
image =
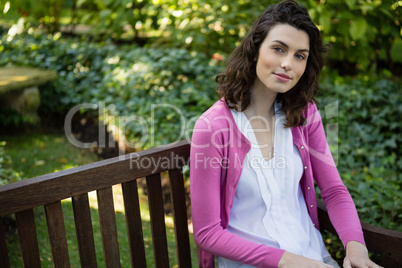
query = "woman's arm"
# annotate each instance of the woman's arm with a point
(341, 209)
(339, 203)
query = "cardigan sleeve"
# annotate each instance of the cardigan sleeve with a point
(207, 185)
(339, 203)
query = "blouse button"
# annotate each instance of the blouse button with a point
(314, 224)
(311, 205)
(308, 188)
(302, 147)
(305, 167)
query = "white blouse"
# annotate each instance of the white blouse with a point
(269, 207)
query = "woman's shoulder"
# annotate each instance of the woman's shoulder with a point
(218, 108)
(312, 115)
(311, 108)
(216, 115)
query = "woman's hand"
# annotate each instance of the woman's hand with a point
(292, 260)
(357, 256)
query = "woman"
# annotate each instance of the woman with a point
(255, 152)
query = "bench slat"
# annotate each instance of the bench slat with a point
(180, 217)
(134, 224)
(108, 227)
(157, 215)
(28, 239)
(83, 227)
(4, 261)
(57, 235)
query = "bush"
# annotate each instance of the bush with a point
(362, 33)
(368, 152)
(79, 65)
(133, 80)
(365, 35)
(175, 77)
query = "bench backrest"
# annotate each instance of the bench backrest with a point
(20, 198)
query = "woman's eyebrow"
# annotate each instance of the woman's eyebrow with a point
(286, 46)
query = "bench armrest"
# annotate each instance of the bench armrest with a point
(379, 240)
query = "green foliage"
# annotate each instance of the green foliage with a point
(69, 59)
(117, 19)
(46, 12)
(206, 26)
(362, 33)
(165, 88)
(7, 174)
(368, 153)
(136, 81)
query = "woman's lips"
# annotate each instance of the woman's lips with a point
(282, 77)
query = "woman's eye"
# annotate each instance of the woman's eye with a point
(278, 49)
(300, 56)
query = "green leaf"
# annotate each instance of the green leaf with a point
(105, 13)
(325, 20)
(387, 13)
(358, 28)
(350, 3)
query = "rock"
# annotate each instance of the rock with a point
(19, 89)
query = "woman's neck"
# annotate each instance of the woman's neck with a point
(262, 102)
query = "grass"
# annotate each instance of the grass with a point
(37, 154)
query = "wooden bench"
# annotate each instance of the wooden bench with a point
(21, 197)
(19, 89)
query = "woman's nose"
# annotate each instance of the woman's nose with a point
(287, 63)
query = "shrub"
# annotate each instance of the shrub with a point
(365, 35)
(368, 152)
(133, 80)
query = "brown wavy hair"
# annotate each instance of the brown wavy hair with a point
(235, 83)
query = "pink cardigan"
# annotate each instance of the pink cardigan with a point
(218, 150)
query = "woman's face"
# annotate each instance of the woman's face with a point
(282, 59)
